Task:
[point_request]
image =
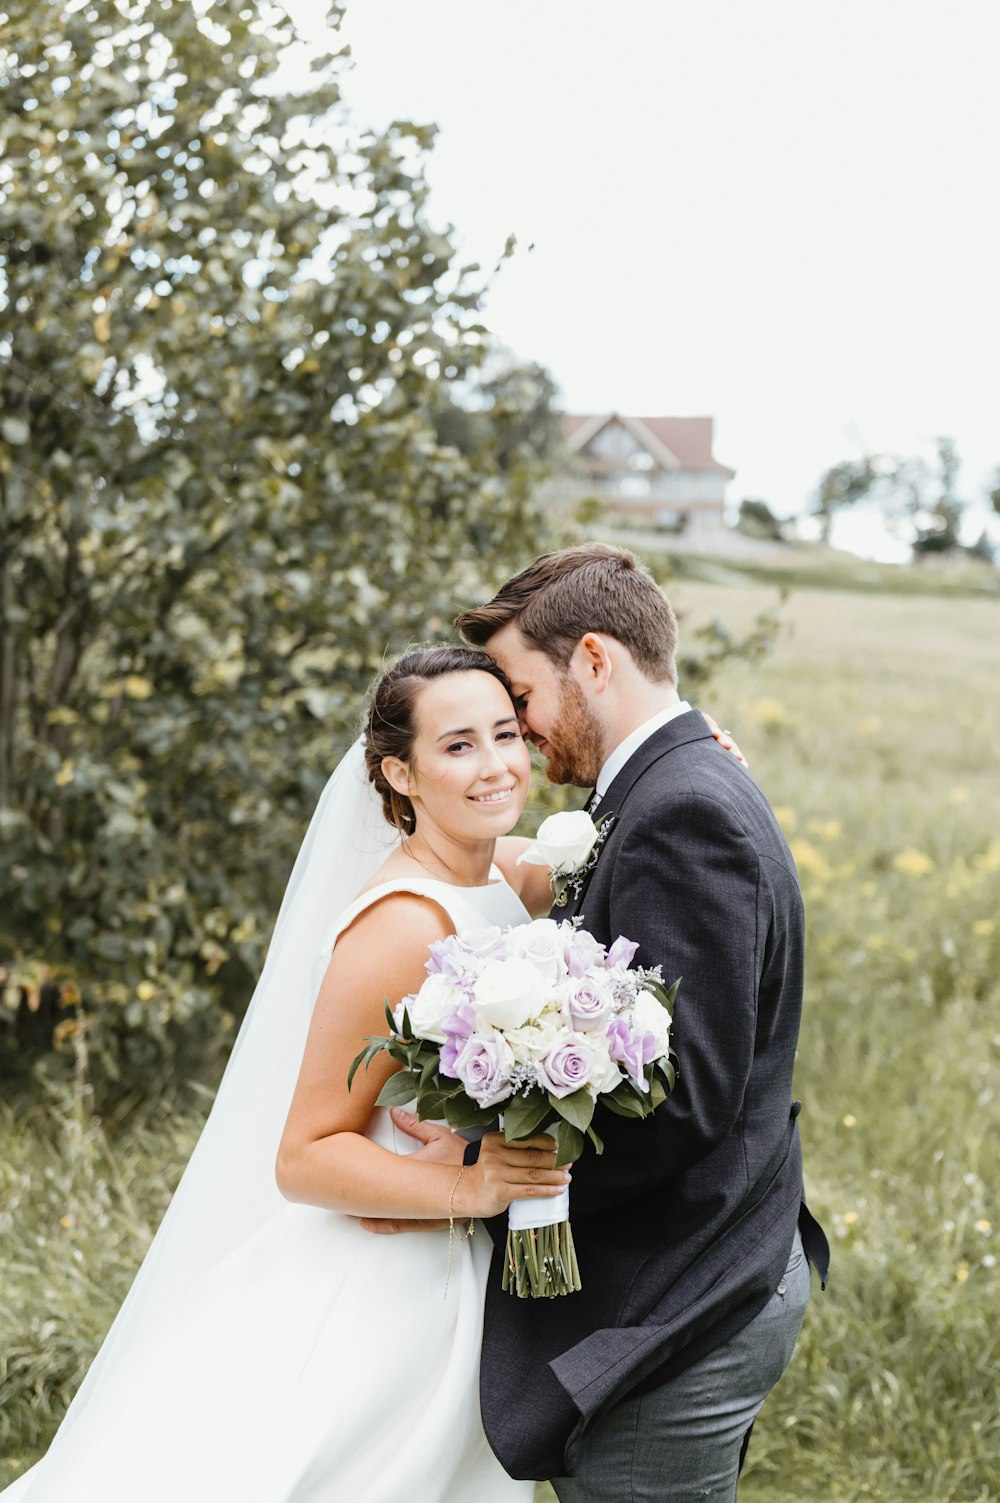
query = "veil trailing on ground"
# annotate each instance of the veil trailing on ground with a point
(228, 1190)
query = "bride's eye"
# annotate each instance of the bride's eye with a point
(458, 746)
(510, 736)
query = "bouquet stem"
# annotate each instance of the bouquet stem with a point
(540, 1262)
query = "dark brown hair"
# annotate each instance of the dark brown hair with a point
(391, 725)
(561, 596)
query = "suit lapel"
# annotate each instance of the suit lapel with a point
(677, 732)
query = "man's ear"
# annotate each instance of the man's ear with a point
(594, 661)
(396, 774)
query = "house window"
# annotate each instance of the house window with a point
(634, 486)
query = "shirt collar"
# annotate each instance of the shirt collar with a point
(627, 748)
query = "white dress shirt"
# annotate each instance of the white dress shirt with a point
(627, 748)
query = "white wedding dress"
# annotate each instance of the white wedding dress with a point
(313, 1363)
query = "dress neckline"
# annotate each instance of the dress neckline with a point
(500, 881)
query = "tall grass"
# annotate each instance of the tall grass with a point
(874, 729)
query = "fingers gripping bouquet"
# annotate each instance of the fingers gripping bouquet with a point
(538, 1022)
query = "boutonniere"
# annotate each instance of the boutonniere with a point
(569, 845)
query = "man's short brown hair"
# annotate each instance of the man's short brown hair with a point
(561, 596)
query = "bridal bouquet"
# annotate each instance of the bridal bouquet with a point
(538, 1023)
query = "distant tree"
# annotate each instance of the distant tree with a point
(995, 492)
(229, 338)
(934, 504)
(843, 485)
(918, 497)
(983, 548)
(757, 520)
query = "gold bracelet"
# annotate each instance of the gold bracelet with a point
(451, 1199)
(451, 1227)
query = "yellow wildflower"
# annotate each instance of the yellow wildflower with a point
(849, 1218)
(850, 1120)
(983, 1226)
(826, 829)
(809, 860)
(66, 773)
(961, 1274)
(145, 991)
(868, 727)
(771, 714)
(984, 926)
(913, 863)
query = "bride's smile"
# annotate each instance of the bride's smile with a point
(467, 775)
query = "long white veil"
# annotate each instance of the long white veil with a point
(228, 1190)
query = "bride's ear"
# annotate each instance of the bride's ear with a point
(396, 774)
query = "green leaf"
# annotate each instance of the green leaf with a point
(657, 1090)
(625, 1101)
(569, 1143)
(597, 1141)
(399, 1090)
(431, 1105)
(576, 1109)
(459, 1111)
(523, 1116)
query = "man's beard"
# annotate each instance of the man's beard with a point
(576, 748)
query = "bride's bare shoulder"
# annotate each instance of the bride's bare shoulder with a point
(404, 914)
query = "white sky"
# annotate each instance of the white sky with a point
(783, 213)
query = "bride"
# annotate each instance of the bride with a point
(270, 1350)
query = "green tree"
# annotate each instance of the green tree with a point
(843, 484)
(757, 520)
(917, 497)
(934, 503)
(228, 333)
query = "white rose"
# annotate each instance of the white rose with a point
(542, 943)
(508, 993)
(650, 1016)
(607, 1072)
(436, 1000)
(564, 841)
(534, 1039)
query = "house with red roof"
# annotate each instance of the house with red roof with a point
(655, 470)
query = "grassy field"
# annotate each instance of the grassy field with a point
(874, 729)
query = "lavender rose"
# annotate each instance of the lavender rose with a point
(632, 1049)
(621, 954)
(590, 1003)
(583, 953)
(459, 1025)
(484, 1065)
(569, 1066)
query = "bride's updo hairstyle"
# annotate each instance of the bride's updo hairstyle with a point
(391, 727)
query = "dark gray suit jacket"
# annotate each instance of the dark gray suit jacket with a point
(684, 1225)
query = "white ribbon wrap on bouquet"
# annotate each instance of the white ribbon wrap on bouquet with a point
(526, 1215)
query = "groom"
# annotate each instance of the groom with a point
(691, 1230)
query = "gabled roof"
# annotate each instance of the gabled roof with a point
(674, 442)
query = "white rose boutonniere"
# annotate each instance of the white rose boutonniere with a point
(569, 844)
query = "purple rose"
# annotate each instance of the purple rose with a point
(446, 958)
(484, 1065)
(591, 1003)
(622, 953)
(458, 1026)
(583, 953)
(631, 1049)
(568, 1066)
